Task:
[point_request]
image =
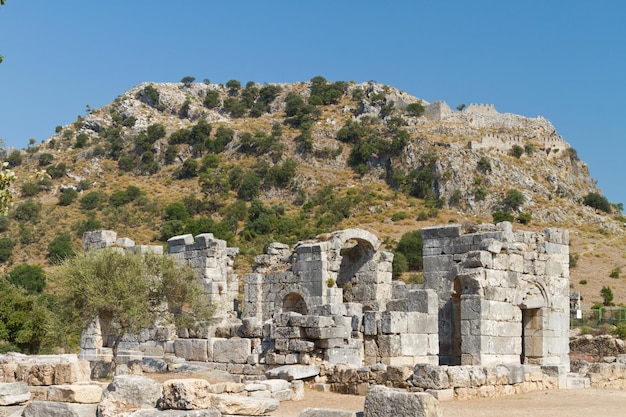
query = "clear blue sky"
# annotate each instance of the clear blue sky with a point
(564, 60)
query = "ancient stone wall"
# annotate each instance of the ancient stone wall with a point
(503, 295)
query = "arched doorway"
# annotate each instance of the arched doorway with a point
(294, 302)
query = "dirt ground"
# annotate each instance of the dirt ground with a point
(557, 403)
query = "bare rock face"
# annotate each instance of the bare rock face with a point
(128, 393)
(383, 402)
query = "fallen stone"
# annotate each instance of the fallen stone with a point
(176, 413)
(129, 393)
(291, 372)
(56, 409)
(381, 401)
(12, 393)
(186, 394)
(242, 405)
(273, 385)
(327, 412)
(76, 393)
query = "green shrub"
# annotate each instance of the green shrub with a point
(330, 283)
(176, 211)
(250, 187)
(607, 296)
(399, 215)
(620, 330)
(411, 246)
(4, 223)
(67, 196)
(118, 198)
(415, 109)
(6, 249)
(212, 99)
(188, 169)
(92, 200)
(88, 225)
(514, 199)
(615, 272)
(84, 185)
(149, 95)
(15, 158)
(583, 282)
(30, 189)
(187, 80)
(30, 277)
(597, 201)
(399, 265)
(28, 211)
(573, 260)
(57, 171)
(45, 159)
(60, 248)
(81, 140)
(529, 148)
(233, 86)
(517, 151)
(484, 164)
(524, 218)
(501, 216)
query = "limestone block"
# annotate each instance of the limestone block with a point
(40, 374)
(228, 404)
(12, 393)
(477, 376)
(186, 394)
(176, 413)
(413, 344)
(49, 408)
(287, 332)
(491, 245)
(260, 394)
(291, 372)
(383, 402)
(516, 262)
(389, 345)
(327, 412)
(128, 393)
(393, 322)
(501, 261)
(125, 242)
(297, 387)
(422, 323)
(371, 323)
(458, 376)
(235, 350)
(442, 394)
(193, 349)
(438, 232)
(75, 393)
(281, 344)
(343, 355)
(155, 249)
(274, 385)
(431, 377)
(328, 332)
(330, 310)
(301, 346)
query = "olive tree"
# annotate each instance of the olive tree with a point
(133, 291)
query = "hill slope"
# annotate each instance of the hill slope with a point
(289, 161)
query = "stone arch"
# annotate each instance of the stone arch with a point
(294, 302)
(355, 247)
(293, 298)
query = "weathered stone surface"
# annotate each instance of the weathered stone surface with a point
(75, 393)
(430, 377)
(327, 412)
(186, 394)
(242, 405)
(176, 413)
(14, 393)
(291, 372)
(128, 393)
(231, 350)
(57, 409)
(384, 402)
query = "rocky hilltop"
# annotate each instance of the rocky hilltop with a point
(265, 162)
(549, 174)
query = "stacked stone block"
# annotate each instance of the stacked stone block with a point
(212, 261)
(503, 295)
(407, 332)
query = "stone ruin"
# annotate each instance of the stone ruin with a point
(490, 296)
